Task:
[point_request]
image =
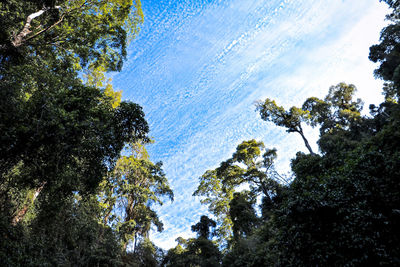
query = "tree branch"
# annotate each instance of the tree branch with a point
(18, 39)
(57, 22)
(21, 38)
(300, 131)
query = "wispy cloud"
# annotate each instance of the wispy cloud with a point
(198, 66)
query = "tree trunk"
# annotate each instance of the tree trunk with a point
(22, 212)
(306, 141)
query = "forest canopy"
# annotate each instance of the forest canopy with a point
(78, 187)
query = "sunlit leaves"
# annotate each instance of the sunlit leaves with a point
(132, 188)
(247, 167)
(87, 32)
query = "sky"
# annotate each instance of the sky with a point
(198, 66)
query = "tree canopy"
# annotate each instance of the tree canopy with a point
(78, 187)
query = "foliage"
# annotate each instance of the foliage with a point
(134, 186)
(195, 252)
(341, 207)
(146, 254)
(63, 129)
(243, 215)
(86, 32)
(247, 167)
(290, 119)
(77, 186)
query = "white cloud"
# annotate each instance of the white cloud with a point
(197, 72)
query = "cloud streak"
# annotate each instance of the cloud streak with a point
(198, 66)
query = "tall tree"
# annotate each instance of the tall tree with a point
(337, 111)
(58, 132)
(386, 52)
(134, 186)
(290, 119)
(246, 167)
(61, 131)
(243, 215)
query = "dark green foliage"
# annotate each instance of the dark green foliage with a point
(61, 134)
(83, 31)
(242, 214)
(63, 179)
(345, 214)
(386, 53)
(203, 227)
(195, 252)
(146, 254)
(335, 212)
(68, 234)
(64, 133)
(341, 209)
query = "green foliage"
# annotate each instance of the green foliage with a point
(68, 197)
(242, 214)
(217, 197)
(195, 252)
(386, 52)
(66, 135)
(86, 32)
(134, 186)
(146, 254)
(290, 119)
(202, 228)
(63, 129)
(246, 167)
(340, 208)
(61, 235)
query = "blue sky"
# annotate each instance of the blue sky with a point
(197, 67)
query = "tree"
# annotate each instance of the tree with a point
(67, 138)
(217, 197)
(336, 112)
(134, 186)
(246, 167)
(62, 131)
(290, 119)
(386, 52)
(87, 32)
(145, 255)
(337, 197)
(175, 256)
(243, 215)
(195, 252)
(52, 122)
(202, 228)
